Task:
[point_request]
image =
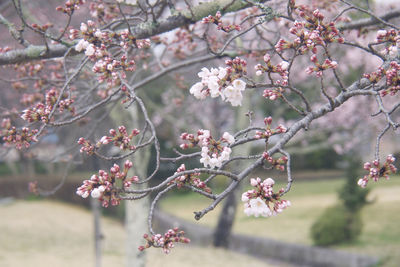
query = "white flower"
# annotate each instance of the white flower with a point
(204, 137)
(222, 73)
(258, 207)
(82, 44)
(206, 160)
(83, 27)
(214, 162)
(233, 95)
(245, 198)
(204, 151)
(259, 72)
(254, 181)
(104, 140)
(213, 86)
(393, 51)
(268, 182)
(204, 73)
(96, 193)
(197, 91)
(225, 154)
(214, 71)
(98, 33)
(362, 183)
(381, 33)
(267, 57)
(90, 50)
(239, 84)
(25, 116)
(247, 209)
(228, 137)
(284, 65)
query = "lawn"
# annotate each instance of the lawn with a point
(52, 234)
(381, 232)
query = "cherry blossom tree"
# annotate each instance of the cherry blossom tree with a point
(94, 57)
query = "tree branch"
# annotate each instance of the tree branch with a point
(141, 31)
(369, 21)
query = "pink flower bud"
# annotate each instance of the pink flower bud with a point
(254, 181)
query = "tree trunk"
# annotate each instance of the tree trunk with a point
(226, 218)
(98, 236)
(136, 210)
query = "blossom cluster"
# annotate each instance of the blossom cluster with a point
(5, 49)
(104, 185)
(281, 69)
(120, 139)
(182, 44)
(87, 146)
(376, 170)
(278, 164)
(189, 179)
(391, 39)
(223, 82)
(166, 241)
(392, 79)
(262, 201)
(44, 73)
(213, 152)
(311, 33)
(268, 131)
(218, 21)
(104, 10)
(392, 75)
(96, 43)
(42, 111)
(318, 68)
(19, 138)
(70, 6)
(42, 28)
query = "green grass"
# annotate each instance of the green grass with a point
(49, 233)
(381, 232)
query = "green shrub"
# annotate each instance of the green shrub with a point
(354, 197)
(4, 169)
(325, 158)
(336, 225)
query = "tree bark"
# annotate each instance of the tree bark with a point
(141, 31)
(98, 236)
(226, 218)
(135, 211)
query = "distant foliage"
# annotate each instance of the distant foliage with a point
(353, 197)
(336, 225)
(342, 223)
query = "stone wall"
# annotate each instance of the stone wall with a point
(300, 255)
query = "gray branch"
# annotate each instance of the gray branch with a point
(141, 31)
(369, 21)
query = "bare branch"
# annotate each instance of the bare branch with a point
(141, 31)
